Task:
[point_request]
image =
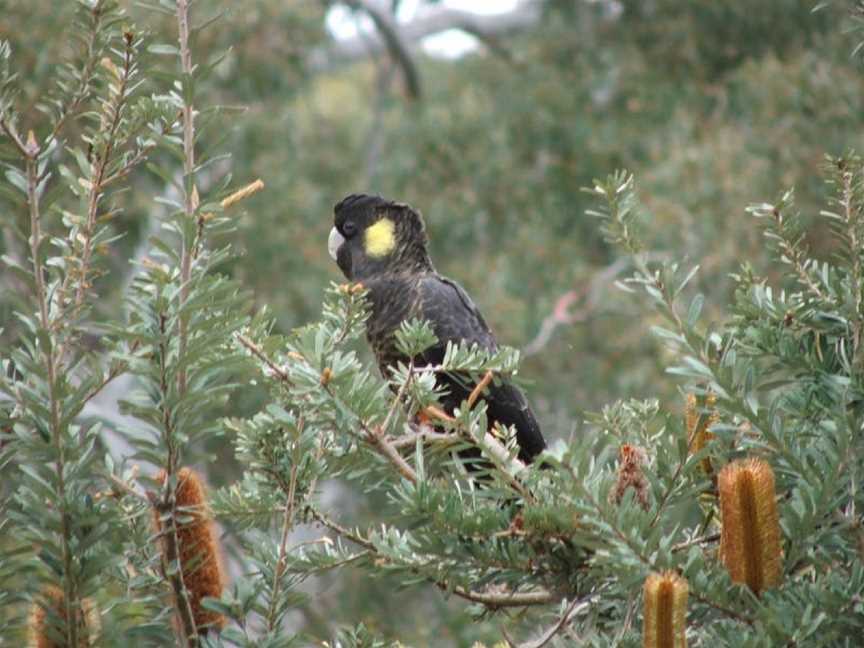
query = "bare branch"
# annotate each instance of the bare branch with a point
(503, 599)
(424, 434)
(52, 370)
(91, 55)
(282, 560)
(479, 387)
(433, 21)
(190, 192)
(127, 488)
(113, 113)
(493, 449)
(258, 352)
(393, 43)
(491, 597)
(576, 606)
(376, 137)
(9, 129)
(681, 546)
(376, 438)
(561, 313)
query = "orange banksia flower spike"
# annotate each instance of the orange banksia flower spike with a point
(197, 547)
(42, 625)
(750, 541)
(242, 194)
(697, 423)
(234, 198)
(665, 612)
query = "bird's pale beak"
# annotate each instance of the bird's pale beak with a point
(334, 242)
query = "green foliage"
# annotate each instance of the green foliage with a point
(176, 340)
(59, 529)
(564, 538)
(347, 484)
(787, 389)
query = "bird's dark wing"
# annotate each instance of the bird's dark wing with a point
(453, 315)
(507, 405)
(455, 318)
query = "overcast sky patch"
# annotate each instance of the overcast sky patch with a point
(344, 23)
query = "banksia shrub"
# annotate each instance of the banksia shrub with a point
(750, 535)
(665, 614)
(48, 618)
(197, 547)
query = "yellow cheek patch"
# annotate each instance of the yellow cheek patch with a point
(380, 239)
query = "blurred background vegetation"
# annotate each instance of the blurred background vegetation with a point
(711, 105)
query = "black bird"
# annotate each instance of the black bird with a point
(382, 244)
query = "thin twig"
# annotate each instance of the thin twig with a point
(190, 193)
(168, 503)
(127, 168)
(341, 531)
(423, 434)
(851, 216)
(494, 450)
(681, 546)
(126, 488)
(576, 606)
(173, 571)
(478, 389)
(488, 598)
(70, 595)
(628, 619)
(288, 525)
(385, 71)
(282, 560)
(258, 352)
(375, 436)
(8, 128)
(85, 77)
(562, 315)
(113, 373)
(738, 616)
(667, 495)
(188, 630)
(398, 50)
(503, 599)
(399, 395)
(97, 176)
(433, 412)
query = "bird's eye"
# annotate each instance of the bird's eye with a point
(349, 229)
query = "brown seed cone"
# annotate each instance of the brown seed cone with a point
(665, 611)
(198, 547)
(750, 539)
(697, 424)
(41, 629)
(630, 475)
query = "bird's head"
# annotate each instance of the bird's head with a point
(372, 235)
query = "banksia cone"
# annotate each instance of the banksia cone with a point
(750, 533)
(44, 629)
(665, 612)
(197, 547)
(697, 424)
(630, 475)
